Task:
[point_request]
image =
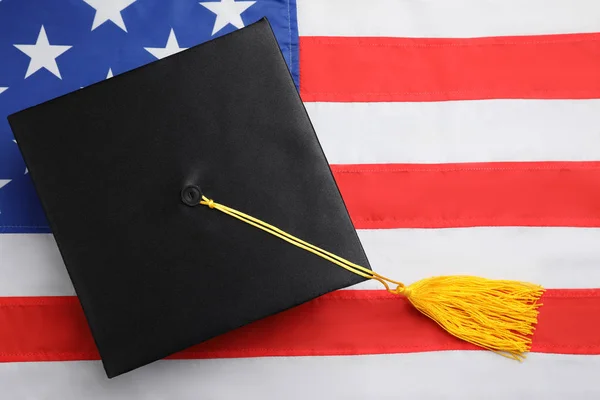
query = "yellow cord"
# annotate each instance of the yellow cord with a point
(342, 262)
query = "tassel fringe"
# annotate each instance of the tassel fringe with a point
(498, 315)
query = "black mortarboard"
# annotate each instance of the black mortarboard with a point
(121, 168)
(114, 165)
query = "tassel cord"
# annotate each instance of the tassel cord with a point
(350, 266)
(497, 315)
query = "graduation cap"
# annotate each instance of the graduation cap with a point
(191, 196)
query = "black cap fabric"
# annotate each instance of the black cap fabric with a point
(120, 165)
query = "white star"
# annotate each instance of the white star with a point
(26, 170)
(2, 89)
(228, 12)
(42, 54)
(109, 10)
(171, 48)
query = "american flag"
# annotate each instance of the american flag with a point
(464, 136)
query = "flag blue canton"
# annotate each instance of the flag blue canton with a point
(50, 48)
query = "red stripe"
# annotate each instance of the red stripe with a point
(340, 323)
(431, 69)
(474, 194)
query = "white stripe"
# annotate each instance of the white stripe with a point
(443, 18)
(436, 375)
(4, 182)
(553, 257)
(458, 131)
(31, 265)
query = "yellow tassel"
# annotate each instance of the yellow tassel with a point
(498, 315)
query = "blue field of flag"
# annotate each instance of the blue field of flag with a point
(52, 47)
